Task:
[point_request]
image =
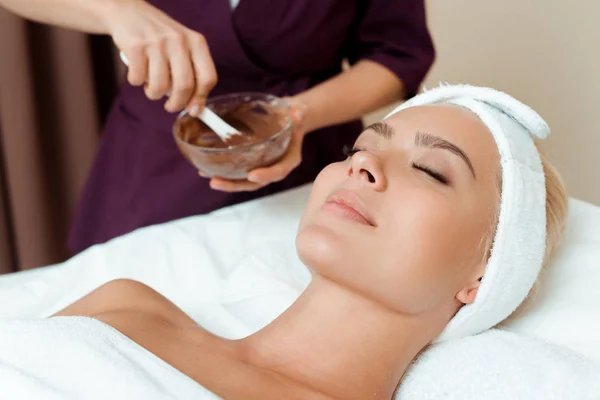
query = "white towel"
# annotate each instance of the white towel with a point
(520, 240)
(500, 365)
(81, 358)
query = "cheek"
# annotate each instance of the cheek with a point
(429, 244)
(443, 231)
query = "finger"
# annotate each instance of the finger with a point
(276, 172)
(204, 69)
(225, 185)
(159, 80)
(202, 174)
(195, 106)
(137, 73)
(182, 75)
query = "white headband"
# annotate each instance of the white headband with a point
(520, 240)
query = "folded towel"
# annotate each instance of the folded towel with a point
(82, 358)
(520, 240)
(500, 365)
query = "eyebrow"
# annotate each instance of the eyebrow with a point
(423, 139)
(382, 129)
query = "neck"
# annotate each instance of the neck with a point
(340, 343)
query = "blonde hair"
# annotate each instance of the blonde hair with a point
(557, 207)
(557, 210)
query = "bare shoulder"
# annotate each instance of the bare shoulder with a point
(125, 295)
(155, 323)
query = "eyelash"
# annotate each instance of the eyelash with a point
(435, 175)
(350, 151)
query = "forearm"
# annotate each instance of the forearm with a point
(82, 15)
(366, 87)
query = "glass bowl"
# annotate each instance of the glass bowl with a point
(265, 120)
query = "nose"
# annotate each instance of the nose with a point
(367, 168)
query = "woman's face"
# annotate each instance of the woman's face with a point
(404, 219)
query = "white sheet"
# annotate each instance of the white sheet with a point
(82, 358)
(500, 365)
(566, 308)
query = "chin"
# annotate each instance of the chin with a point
(319, 248)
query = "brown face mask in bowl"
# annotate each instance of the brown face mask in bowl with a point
(266, 126)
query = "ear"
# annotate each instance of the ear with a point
(467, 294)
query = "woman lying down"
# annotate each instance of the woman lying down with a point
(435, 227)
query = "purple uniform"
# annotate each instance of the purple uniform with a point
(282, 47)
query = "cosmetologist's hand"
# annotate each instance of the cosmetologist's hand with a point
(163, 55)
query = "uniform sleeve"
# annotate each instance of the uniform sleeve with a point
(394, 33)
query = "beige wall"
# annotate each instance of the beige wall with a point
(545, 53)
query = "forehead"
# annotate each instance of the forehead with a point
(446, 120)
(452, 123)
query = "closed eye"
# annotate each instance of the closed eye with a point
(434, 174)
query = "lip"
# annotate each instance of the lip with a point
(349, 205)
